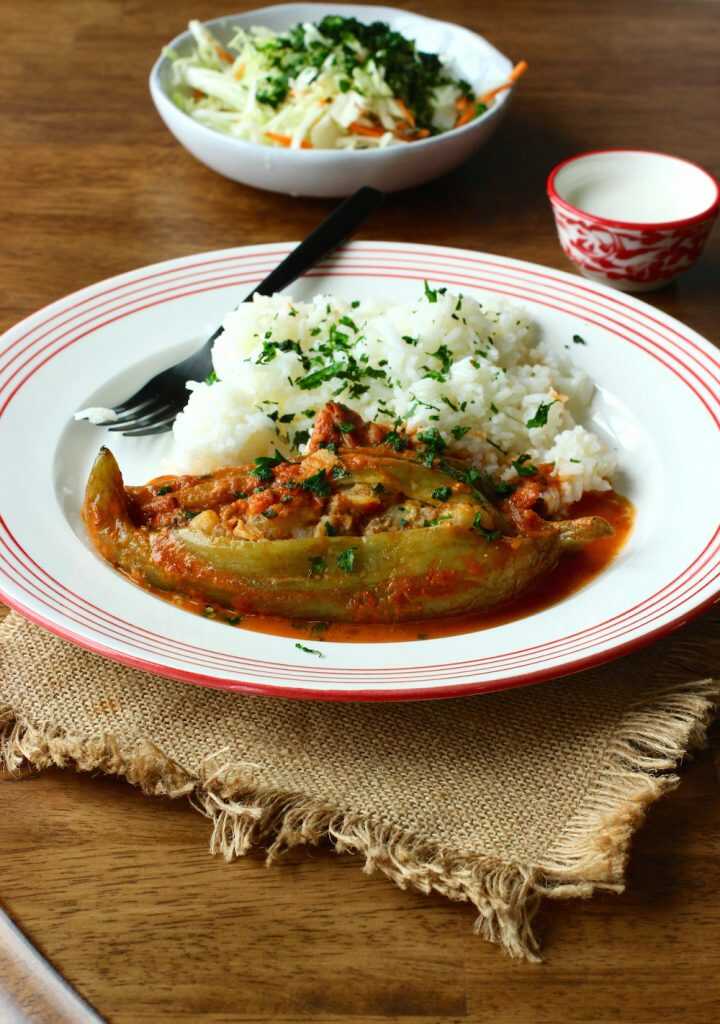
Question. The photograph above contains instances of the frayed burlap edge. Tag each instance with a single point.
(591, 853)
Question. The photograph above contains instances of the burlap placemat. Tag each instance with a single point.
(499, 800)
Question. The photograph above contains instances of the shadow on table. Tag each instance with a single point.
(503, 183)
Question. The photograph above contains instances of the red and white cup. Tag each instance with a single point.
(631, 218)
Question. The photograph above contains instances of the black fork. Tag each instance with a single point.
(152, 409)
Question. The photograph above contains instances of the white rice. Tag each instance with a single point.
(475, 372)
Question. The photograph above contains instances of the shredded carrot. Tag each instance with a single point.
(516, 72)
(465, 109)
(224, 55)
(239, 71)
(407, 112)
(364, 129)
(407, 134)
(286, 140)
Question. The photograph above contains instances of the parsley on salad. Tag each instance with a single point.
(339, 83)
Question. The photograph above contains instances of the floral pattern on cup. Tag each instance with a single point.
(640, 256)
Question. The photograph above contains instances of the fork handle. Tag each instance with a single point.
(341, 223)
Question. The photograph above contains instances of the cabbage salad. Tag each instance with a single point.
(338, 84)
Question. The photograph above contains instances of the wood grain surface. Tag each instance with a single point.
(118, 890)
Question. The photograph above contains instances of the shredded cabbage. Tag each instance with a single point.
(340, 84)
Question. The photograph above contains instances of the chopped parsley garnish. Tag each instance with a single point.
(489, 535)
(410, 341)
(459, 432)
(318, 565)
(396, 441)
(355, 303)
(579, 340)
(345, 427)
(274, 90)
(418, 402)
(346, 559)
(212, 378)
(271, 349)
(270, 513)
(523, 467)
(575, 460)
(442, 493)
(317, 377)
(163, 490)
(265, 464)
(501, 487)
(347, 322)
(436, 521)
(317, 484)
(541, 415)
(431, 294)
(411, 74)
(434, 446)
(445, 356)
(330, 530)
(339, 472)
(375, 372)
(446, 360)
(301, 437)
(337, 339)
(480, 481)
(234, 620)
(309, 650)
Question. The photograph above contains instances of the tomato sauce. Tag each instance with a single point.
(574, 571)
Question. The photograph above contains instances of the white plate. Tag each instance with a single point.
(658, 402)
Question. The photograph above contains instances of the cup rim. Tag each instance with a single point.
(557, 199)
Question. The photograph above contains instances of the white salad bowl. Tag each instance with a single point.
(331, 172)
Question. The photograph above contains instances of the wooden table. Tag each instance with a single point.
(117, 889)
